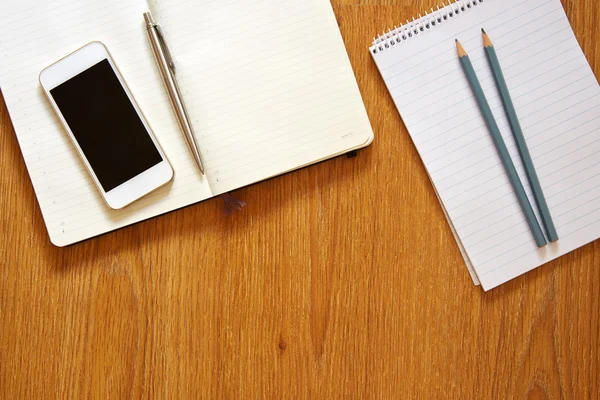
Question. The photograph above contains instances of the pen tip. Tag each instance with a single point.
(148, 19)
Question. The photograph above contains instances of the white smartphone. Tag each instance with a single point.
(106, 125)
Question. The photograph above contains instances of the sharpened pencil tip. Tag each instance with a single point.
(455, 40)
(487, 42)
(461, 51)
(482, 30)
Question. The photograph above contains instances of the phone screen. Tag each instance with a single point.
(106, 125)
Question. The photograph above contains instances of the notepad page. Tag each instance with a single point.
(557, 98)
(34, 34)
(268, 85)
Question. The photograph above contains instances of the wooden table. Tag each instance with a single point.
(339, 280)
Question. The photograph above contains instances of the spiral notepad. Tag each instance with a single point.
(557, 98)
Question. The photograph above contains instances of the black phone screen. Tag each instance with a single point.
(106, 125)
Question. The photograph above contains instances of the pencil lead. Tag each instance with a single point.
(483, 31)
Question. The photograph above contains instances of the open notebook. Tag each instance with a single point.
(557, 98)
(268, 86)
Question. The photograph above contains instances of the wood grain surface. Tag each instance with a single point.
(341, 280)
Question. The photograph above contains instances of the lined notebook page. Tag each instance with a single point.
(557, 98)
(34, 35)
(268, 85)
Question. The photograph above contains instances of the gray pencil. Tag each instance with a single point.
(515, 126)
(490, 121)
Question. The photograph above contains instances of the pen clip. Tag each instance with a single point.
(163, 44)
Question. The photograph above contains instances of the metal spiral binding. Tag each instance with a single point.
(424, 23)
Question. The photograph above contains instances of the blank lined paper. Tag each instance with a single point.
(557, 98)
(268, 85)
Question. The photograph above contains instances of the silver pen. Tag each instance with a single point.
(167, 70)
